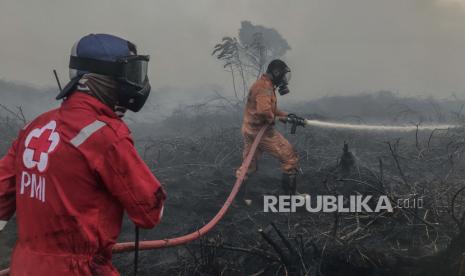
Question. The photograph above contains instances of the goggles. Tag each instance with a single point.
(287, 76)
(131, 69)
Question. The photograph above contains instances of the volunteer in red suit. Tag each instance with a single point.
(73, 171)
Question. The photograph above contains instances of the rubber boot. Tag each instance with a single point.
(289, 183)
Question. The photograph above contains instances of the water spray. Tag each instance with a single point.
(296, 121)
(368, 127)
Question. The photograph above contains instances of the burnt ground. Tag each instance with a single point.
(197, 167)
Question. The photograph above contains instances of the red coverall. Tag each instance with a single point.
(69, 176)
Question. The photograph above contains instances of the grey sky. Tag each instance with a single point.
(415, 47)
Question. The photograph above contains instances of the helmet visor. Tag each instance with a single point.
(135, 69)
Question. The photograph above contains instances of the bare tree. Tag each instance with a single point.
(246, 57)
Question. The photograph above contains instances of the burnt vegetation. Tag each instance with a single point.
(196, 159)
(423, 166)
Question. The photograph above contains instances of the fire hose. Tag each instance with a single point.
(147, 245)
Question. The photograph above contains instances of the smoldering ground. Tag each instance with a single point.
(195, 149)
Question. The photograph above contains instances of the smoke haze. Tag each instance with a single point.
(414, 47)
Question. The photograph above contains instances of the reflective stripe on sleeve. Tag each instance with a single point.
(3, 224)
(86, 132)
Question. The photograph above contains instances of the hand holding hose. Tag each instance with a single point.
(294, 120)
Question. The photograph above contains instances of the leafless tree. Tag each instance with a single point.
(245, 57)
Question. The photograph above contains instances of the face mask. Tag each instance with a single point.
(287, 76)
(134, 97)
(283, 89)
(282, 84)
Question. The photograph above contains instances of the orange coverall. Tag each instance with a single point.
(261, 109)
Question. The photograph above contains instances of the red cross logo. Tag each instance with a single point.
(39, 144)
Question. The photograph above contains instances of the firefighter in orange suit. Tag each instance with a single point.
(261, 110)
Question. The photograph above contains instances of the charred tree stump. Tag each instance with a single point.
(347, 160)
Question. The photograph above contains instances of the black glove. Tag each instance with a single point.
(295, 121)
